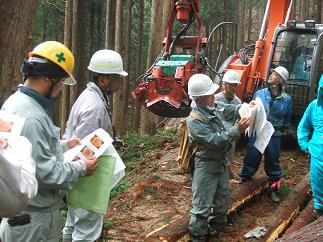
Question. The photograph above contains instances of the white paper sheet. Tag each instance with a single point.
(95, 144)
(259, 126)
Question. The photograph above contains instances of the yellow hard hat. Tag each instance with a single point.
(59, 54)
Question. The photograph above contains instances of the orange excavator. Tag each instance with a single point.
(282, 42)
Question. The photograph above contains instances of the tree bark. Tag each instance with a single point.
(65, 98)
(147, 118)
(318, 13)
(242, 23)
(304, 10)
(305, 217)
(78, 49)
(110, 24)
(249, 21)
(136, 106)
(239, 197)
(117, 96)
(287, 210)
(17, 22)
(311, 232)
(126, 83)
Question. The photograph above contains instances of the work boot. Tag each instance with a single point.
(274, 196)
(274, 191)
(318, 212)
(197, 238)
(213, 235)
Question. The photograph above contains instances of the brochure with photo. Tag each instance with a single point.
(10, 124)
(108, 173)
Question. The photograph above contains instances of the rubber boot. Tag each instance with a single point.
(274, 191)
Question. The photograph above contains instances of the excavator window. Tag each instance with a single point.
(294, 50)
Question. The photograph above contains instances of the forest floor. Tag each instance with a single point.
(160, 195)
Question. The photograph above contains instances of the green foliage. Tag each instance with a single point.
(150, 190)
(286, 173)
(238, 222)
(120, 187)
(284, 189)
(138, 145)
(109, 224)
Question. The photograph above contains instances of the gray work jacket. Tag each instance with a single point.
(52, 173)
(212, 137)
(90, 112)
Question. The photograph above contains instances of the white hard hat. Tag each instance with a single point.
(107, 62)
(282, 71)
(201, 85)
(231, 76)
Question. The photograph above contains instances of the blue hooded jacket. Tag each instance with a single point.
(310, 128)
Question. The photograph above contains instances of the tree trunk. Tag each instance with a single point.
(65, 99)
(239, 197)
(311, 232)
(304, 218)
(78, 48)
(126, 84)
(136, 106)
(287, 210)
(110, 24)
(17, 22)
(318, 13)
(147, 118)
(304, 10)
(117, 96)
(242, 23)
(249, 21)
(166, 13)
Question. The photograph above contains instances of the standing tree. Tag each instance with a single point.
(155, 40)
(65, 99)
(117, 96)
(136, 106)
(17, 21)
(126, 84)
(78, 48)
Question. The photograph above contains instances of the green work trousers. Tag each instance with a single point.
(210, 202)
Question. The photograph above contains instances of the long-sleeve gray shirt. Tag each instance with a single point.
(52, 172)
(89, 112)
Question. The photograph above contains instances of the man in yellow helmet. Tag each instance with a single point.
(49, 65)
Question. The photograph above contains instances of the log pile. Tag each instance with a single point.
(311, 232)
(239, 197)
(278, 222)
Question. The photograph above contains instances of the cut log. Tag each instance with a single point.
(239, 197)
(311, 232)
(304, 218)
(277, 223)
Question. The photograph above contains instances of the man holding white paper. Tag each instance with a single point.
(278, 107)
(90, 112)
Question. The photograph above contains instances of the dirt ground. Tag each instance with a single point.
(161, 195)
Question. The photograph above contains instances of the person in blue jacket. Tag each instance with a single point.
(278, 107)
(310, 139)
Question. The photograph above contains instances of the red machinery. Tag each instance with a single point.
(163, 88)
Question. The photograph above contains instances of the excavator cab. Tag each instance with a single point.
(298, 47)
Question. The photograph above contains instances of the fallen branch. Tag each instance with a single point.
(239, 197)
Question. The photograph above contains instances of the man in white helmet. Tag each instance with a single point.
(231, 80)
(210, 184)
(90, 112)
(278, 107)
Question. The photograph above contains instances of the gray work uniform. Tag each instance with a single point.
(90, 112)
(210, 184)
(52, 173)
(227, 124)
